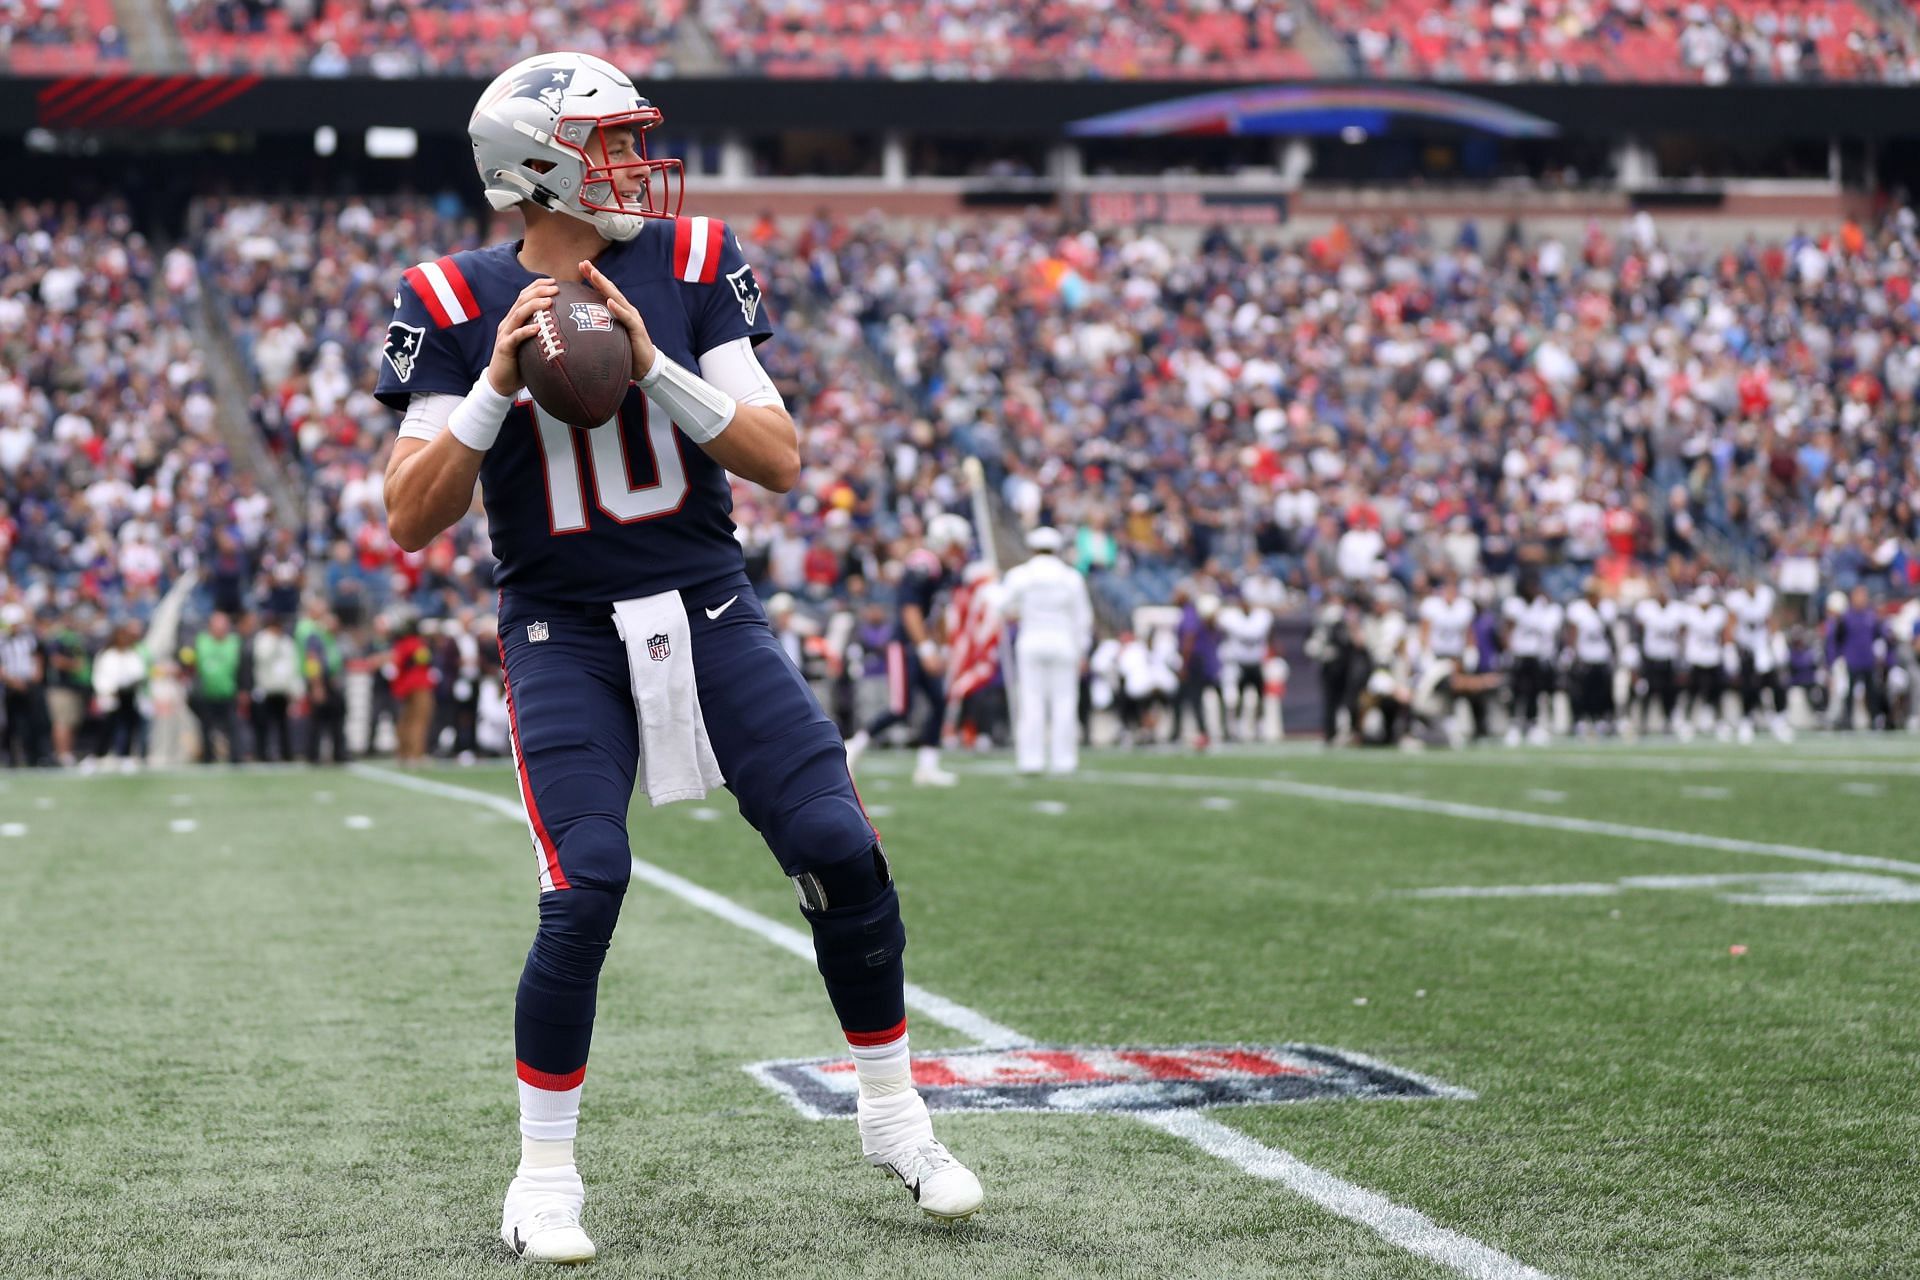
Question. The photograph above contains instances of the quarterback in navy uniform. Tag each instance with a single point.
(633, 646)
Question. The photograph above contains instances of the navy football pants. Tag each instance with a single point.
(577, 743)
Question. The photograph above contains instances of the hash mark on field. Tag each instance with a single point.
(879, 811)
(359, 821)
(181, 826)
(1052, 808)
(1863, 788)
(43, 802)
(323, 797)
(1544, 796)
(703, 815)
(1705, 793)
(182, 801)
(1219, 804)
(1406, 1228)
(13, 829)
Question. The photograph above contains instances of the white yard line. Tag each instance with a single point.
(1658, 763)
(1405, 1228)
(1484, 813)
(1396, 1224)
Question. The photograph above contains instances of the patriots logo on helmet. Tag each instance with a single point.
(747, 290)
(658, 647)
(591, 317)
(403, 348)
(546, 84)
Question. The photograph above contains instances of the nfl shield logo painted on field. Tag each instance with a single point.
(1109, 1079)
(536, 632)
(657, 647)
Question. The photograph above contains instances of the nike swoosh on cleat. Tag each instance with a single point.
(714, 613)
(519, 1245)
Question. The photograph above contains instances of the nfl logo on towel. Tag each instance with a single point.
(657, 647)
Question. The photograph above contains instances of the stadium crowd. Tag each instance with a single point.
(1639, 40)
(1647, 40)
(1296, 421)
(406, 38)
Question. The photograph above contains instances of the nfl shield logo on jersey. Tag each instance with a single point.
(536, 632)
(657, 647)
(591, 317)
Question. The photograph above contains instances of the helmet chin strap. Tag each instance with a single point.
(509, 189)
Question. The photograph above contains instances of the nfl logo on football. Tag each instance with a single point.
(591, 317)
(657, 648)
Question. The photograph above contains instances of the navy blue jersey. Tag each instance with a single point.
(921, 582)
(631, 507)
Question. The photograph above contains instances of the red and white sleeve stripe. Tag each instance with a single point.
(448, 298)
(696, 249)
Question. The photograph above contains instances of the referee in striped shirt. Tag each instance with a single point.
(22, 672)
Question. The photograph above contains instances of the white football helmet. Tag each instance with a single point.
(531, 130)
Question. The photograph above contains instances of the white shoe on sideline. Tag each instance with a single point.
(934, 776)
(540, 1221)
(1782, 730)
(1746, 732)
(896, 1134)
(856, 747)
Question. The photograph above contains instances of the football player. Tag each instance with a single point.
(1705, 629)
(1750, 604)
(1534, 621)
(915, 660)
(1662, 621)
(622, 586)
(1446, 630)
(1590, 619)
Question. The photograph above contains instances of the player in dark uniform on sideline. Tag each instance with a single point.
(915, 659)
(633, 645)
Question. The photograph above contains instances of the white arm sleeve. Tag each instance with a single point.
(734, 369)
(427, 415)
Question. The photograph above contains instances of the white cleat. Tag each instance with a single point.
(897, 1135)
(1513, 736)
(1746, 733)
(856, 747)
(541, 1219)
(1538, 736)
(931, 776)
(1782, 730)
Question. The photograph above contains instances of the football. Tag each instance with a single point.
(578, 366)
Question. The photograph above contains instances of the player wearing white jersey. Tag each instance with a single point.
(1661, 621)
(1534, 622)
(1446, 632)
(1750, 604)
(1590, 622)
(1705, 631)
(1245, 630)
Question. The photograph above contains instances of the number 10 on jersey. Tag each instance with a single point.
(613, 488)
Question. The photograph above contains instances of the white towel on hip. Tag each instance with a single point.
(676, 759)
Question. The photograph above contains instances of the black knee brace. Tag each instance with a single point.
(854, 909)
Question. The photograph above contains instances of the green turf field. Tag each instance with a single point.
(258, 1025)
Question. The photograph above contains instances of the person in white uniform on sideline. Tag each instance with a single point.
(1049, 600)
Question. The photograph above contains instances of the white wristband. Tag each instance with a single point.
(476, 420)
(697, 407)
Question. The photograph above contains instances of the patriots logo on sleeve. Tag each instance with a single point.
(747, 290)
(403, 348)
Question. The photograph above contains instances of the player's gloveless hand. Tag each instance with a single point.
(503, 371)
(626, 314)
